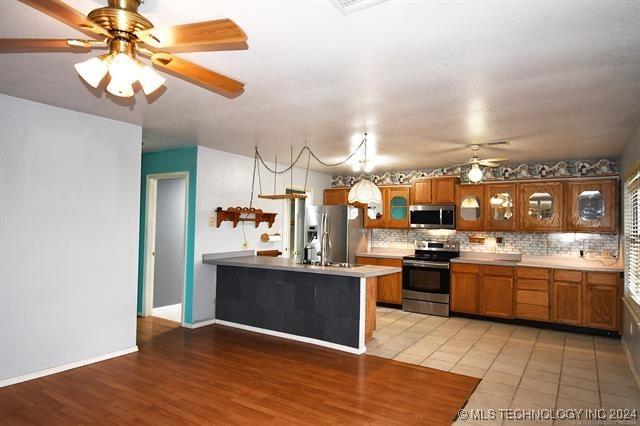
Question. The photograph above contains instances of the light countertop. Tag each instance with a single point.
(387, 253)
(512, 259)
(285, 264)
(555, 262)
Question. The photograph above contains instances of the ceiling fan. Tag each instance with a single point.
(475, 173)
(120, 28)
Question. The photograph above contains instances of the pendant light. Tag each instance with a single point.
(364, 191)
(475, 174)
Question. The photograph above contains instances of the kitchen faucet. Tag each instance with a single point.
(325, 240)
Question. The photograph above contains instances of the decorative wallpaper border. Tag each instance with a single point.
(542, 170)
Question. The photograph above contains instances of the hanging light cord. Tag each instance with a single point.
(275, 171)
(312, 154)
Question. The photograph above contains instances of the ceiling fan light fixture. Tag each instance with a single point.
(475, 173)
(150, 80)
(365, 192)
(94, 70)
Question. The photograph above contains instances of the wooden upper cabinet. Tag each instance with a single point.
(397, 207)
(381, 217)
(592, 205)
(335, 196)
(500, 207)
(439, 190)
(541, 206)
(443, 190)
(421, 191)
(470, 211)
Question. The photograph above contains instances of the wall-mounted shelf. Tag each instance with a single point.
(244, 214)
(282, 196)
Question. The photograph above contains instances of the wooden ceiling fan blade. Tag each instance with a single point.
(16, 45)
(459, 165)
(221, 31)
(496, 143)
(493, 160)
(66, 14)
(199, 75)
(489, 164)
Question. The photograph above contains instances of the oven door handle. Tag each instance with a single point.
(437, 265)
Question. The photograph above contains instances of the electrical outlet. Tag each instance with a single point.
(212, 220)
(245, 245)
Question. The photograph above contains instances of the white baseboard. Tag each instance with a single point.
(357, 351)
(198, 324)
(166, 308)
(65, 367)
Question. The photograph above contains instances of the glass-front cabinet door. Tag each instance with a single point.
(592, 205)
(542, 207)
(397, 207)
(500, 207)
(470, 205)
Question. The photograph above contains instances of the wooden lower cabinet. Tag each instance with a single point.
(602, 300)
(562, 296)
(388, 287)
(566, 303)
(465, 288)
(496, 292)
(532, 293)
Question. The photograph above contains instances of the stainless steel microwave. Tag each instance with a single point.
(433, 216)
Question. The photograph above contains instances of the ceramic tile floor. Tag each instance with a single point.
(520, 367)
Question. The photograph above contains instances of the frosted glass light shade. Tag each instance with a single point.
(365, 192)
(123, 69)
(475, 174)
(150, 80)
(93, 70)
(120, 88)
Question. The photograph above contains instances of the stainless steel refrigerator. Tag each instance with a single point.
(345, 228)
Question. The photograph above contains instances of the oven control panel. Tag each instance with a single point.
(437, 245)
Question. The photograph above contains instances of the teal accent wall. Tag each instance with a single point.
(171, 161)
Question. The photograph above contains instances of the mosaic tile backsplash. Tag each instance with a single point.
(526, 243)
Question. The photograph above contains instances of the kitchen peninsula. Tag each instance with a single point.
(324, 305)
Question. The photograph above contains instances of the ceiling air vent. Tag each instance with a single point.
(350, 6)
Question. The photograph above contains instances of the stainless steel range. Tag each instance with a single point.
(426, 278)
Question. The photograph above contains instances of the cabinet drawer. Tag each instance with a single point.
(567, 275)
(470, 268)
(390, 262)
(367, 260)
(534, 312)
(533, 297)
(534, 273)
(537, 285)
(505, 271)
(602, 278)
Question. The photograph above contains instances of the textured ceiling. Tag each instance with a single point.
(560, 79)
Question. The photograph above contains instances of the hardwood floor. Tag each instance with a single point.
(221, 375)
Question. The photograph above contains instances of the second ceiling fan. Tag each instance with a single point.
(126, 33)
(475, 173)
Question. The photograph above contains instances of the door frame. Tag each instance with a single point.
(150, 239)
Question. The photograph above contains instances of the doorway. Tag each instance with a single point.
(165, 246)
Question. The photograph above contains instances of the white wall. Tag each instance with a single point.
(224, 180)
(69, 211)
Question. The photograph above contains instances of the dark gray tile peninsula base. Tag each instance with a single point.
(317, 306)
